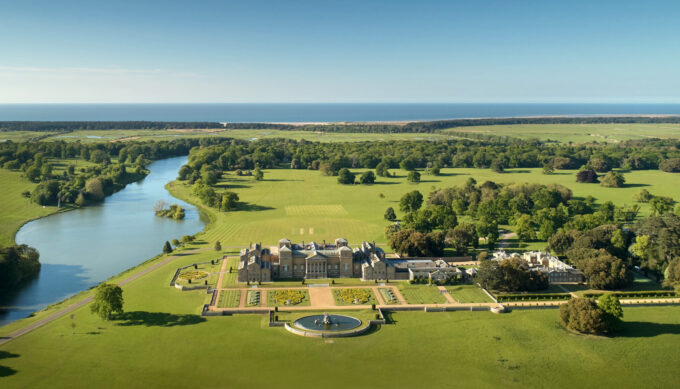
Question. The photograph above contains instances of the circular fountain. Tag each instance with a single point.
(326, 322)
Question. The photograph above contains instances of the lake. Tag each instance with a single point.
(81, 248)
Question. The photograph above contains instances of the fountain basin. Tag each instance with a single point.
(338, 323)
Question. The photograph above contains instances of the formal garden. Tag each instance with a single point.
(356, 296)
(199, 274)
(287, 297)
(229, 298)
(389, 296)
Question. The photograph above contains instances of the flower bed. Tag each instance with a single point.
(288, 296)
(353, 296)
(193, 275)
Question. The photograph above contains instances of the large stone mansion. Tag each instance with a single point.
(313, 261)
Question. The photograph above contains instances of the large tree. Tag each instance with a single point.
(108, 299)
(510, 275)
(345, 176)
(416, 244)
(604, 271)
(583, 315)
(411, 201)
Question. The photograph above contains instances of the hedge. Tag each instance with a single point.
(533, 297)
(633, 295)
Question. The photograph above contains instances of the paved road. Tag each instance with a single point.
(87, 300)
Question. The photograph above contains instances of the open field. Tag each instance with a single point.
(291, 203)
(577, 133)
(468, 294)
(248, 134)
(24, 136)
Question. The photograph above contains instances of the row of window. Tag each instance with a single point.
(302, 267)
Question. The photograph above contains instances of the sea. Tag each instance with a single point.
(315, 112)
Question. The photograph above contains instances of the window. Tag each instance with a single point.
(302, 267)
(285, 267)
(346, 267)
(336, 266)
(294, 267)
(329, 266)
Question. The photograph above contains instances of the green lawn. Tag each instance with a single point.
(577, 133)
(16, 209)
(640, 283)
(421, 294)
(468, 294)
(229, 299)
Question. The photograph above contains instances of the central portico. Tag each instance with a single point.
(313, 261)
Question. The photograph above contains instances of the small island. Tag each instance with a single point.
(174, 211)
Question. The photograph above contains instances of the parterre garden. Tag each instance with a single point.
(348, 296)
(287, 297)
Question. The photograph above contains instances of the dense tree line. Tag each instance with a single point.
(329, 158)
(17, 264)
(67, 126)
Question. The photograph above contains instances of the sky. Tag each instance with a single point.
(339, 51)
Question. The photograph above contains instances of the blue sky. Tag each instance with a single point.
(339, 51)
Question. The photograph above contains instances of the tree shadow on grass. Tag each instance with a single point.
(384, 183)
(229, 185)
(643, 329)
(252, 207)
(635, 185)
(4, 370)
(156, 319)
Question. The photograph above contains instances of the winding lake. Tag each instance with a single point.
(80, 248)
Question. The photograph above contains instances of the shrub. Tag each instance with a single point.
(671, 165)
(586, 176)
(583, 315)
(613, 180)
